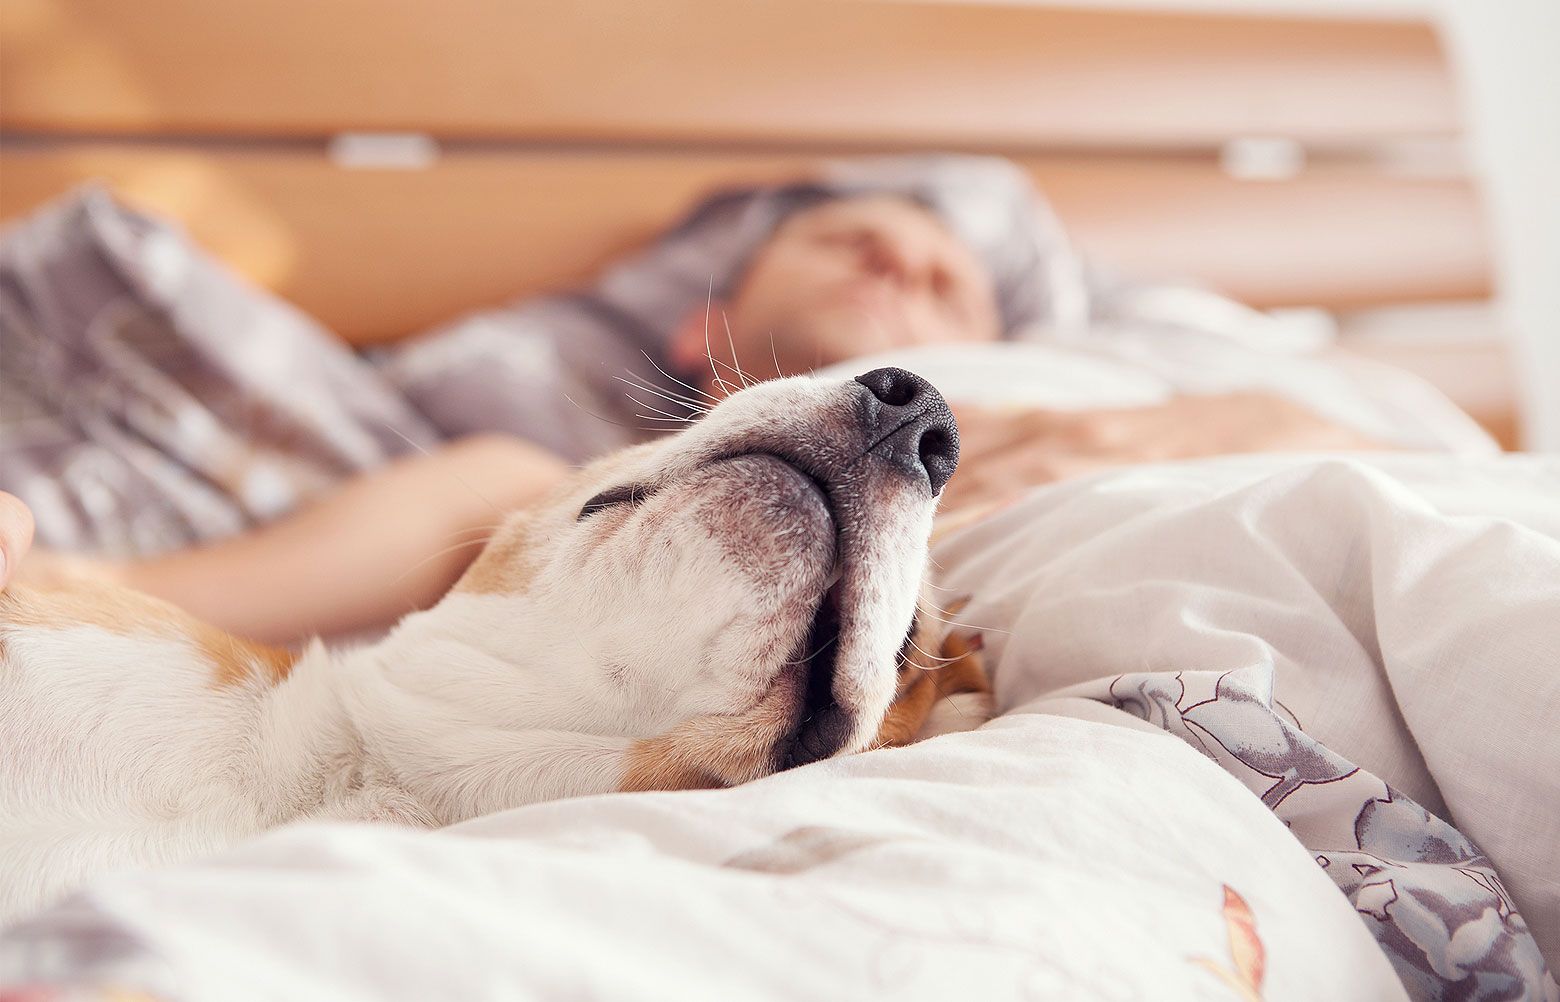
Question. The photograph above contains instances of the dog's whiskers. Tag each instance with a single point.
(946, 698)
(599, 417)
(928, 656)
(709, 305)
(732, 342)
(727, 366)
(678, 399)
(808, 657)
(671, 395)
(928, 603)
(477, 528)
(775, 355)
(481, 541)
(665, 415)
(978, 628)
(668, 425)
(711, 397)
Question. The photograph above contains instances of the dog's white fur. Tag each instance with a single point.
(579, 656)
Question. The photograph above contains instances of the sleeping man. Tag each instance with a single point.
(1365, 641)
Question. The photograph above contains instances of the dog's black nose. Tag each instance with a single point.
(916, 431)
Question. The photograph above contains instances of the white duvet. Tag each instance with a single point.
(1041, 857)
(1404, 609)
(1407, 610)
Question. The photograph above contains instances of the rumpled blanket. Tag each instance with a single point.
(1314, 625)
(149, 399)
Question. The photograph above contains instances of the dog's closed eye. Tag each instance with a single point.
(629, 494)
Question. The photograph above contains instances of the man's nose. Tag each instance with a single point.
(912, 427)
(893, 264)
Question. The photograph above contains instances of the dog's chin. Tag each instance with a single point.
(806, 541)
(779, 526)
(774, 523)
(787, 534)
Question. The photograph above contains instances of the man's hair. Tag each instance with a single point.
(794, 200)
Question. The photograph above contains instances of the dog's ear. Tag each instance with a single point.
(941, 675)
(507, 563)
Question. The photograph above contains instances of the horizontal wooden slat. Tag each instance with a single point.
(824, 71)
(1338, 238)
(379, 254)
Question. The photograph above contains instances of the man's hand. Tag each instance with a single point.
(1002, 452)
(16, 533)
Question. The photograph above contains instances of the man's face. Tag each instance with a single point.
(851, 277)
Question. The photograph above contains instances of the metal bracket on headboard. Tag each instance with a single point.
(383, 150)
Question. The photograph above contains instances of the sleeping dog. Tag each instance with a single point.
(698, 611)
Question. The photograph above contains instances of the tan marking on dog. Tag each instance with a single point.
(505, 566)
(84, 602)
(924, 679)
(238, 660)
(717, 749)
(911, 706)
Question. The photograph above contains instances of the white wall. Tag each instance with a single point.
(1509, 74)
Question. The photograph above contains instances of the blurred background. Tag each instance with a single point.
(1381, 171)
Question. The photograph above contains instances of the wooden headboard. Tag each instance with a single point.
(387, 164)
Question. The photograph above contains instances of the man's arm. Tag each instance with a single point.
(374, 549)
(378, 547)
(16, 532)
(1003, 452)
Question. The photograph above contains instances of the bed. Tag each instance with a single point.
(1204, 669)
